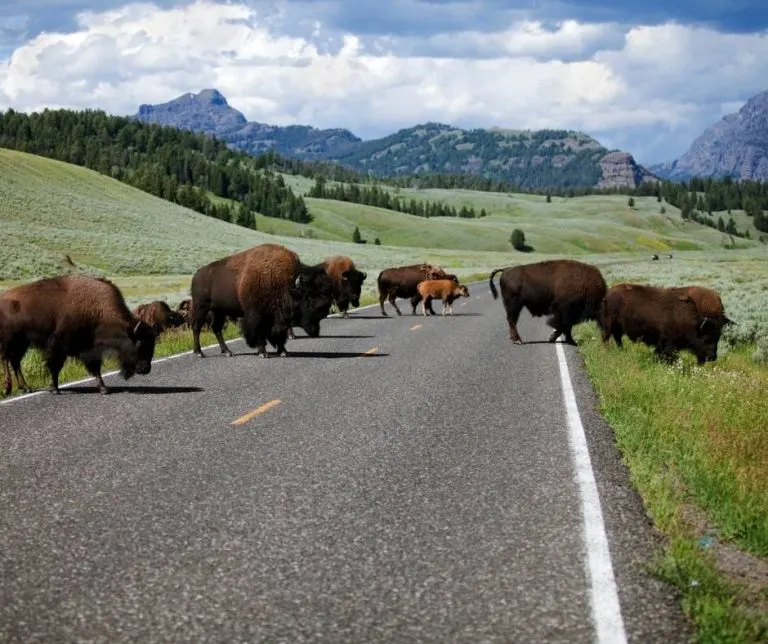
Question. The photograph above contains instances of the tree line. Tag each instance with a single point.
(382, 198)
(176, 165)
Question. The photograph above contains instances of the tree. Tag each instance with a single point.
(357, 237)
(631, 202)
(549, 198)
(377, 242)
(517, 239)
(662, 210)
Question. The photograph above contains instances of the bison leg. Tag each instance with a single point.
(219, 318)
(382, 297)
(198, 322)
(415, 302)
(93, 365)
(277, 340)
(54, 360)
(513, 308)
(392, 297)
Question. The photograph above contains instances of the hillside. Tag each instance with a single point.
(735, 146)
(541, 159)
(50, 210)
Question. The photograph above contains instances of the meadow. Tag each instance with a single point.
(694, 438)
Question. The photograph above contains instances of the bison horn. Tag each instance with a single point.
(137, 327)
(365, 274)
(297, 283)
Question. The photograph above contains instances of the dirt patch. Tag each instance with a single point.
(747, 571)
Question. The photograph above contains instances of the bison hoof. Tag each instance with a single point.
(227, 353)
(103, 391)
(55, 391)
(264, 355)
(517, 341)
(199, 354)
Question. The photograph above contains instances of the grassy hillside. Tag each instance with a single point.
(50, 209)
(572, 226)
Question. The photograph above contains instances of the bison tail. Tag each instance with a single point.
(494, 292)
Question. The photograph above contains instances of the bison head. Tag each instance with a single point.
(351, 286)
(312, 296)
(139, 359)
(463, 291)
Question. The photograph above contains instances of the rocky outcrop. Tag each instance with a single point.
(735, 146)
(619, 169)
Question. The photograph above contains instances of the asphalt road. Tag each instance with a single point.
(397, 480)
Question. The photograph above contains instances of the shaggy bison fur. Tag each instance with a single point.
(73, 316)
(347, 282)
(669, 319)
(567, 291)
(269, 288)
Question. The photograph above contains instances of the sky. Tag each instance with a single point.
(642, 77)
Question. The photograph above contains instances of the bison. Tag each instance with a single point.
(668, 319)
(446, 290)
(347, 282)
(270, 288)
(402, 282)
(568, 291)
(74, 316)
(159, 316)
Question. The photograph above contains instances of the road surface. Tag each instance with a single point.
(397, 480)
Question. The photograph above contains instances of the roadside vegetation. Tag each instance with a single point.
(695, 440)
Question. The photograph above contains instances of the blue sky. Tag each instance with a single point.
(644, 77)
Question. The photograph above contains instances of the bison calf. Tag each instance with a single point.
(445, 290)
(569, 292)
(73, 316)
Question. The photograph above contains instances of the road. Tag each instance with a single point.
(396, 480)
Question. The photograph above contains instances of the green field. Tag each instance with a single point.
(693, 437)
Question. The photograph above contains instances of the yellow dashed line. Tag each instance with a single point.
(371, 352)
(415, 326)
(256, 412)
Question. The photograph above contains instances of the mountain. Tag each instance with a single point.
(532, 159)
(736, 146)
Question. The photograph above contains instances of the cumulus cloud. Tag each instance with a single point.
(648, 89)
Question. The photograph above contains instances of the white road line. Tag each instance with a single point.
(606, 611)
(8, 401)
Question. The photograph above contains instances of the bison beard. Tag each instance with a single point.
(75, 316)
(567, 291)
(269, 288)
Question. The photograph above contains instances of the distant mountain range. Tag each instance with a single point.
(735, 146)
(532, 159)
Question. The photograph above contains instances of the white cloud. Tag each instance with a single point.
(606, 79)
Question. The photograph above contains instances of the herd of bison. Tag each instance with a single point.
(270, 290)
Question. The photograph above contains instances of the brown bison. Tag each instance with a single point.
(267, 286)
(445, 290)
(9, 309)
(417, 298)
(569, 292)
(669, 319)
(402, 282)
(347, 282)
(73, 316)
(159, 316)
